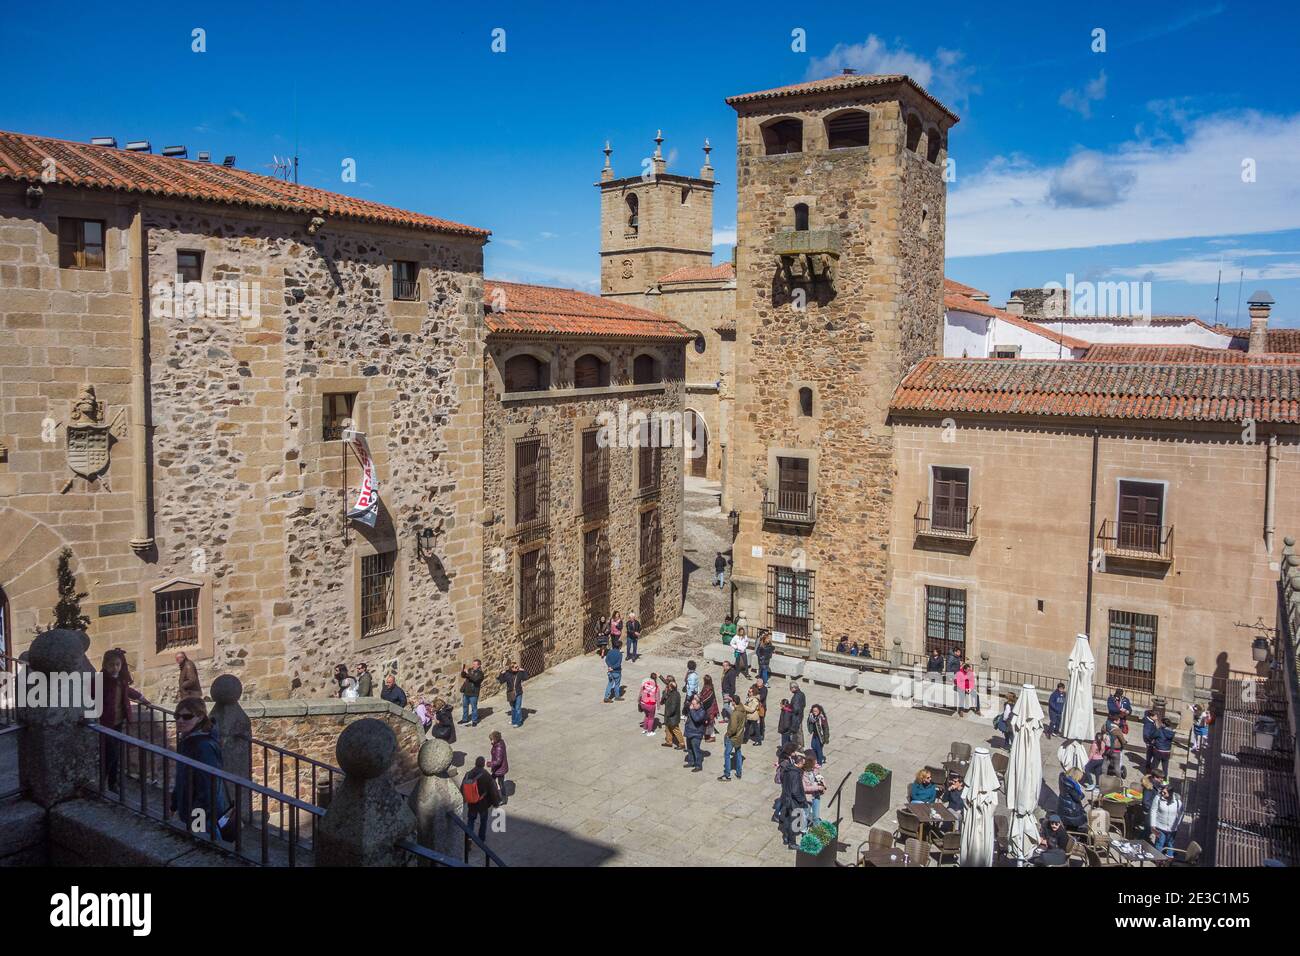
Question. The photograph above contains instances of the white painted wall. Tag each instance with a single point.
(1128, 333)
(964, 334)
(976, 336)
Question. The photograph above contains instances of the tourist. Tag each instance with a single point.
(1118, 709)
(952, 662)
(1071, 799)
(199, 799)
(614, 671)
(734, 739)
(696, 719)
(1152, 784)
(922, 789)
(616, 627)
(935, 664)
(1054, 836)
(740, 646)
(761, 686)
(1163, 745)
(752, 705)
(1115, 750)
(798, 703)
(1166, 811)
(188, 681)
(843, 646)
(340, 675)
(1055, 710)
(964, 680)
(727, 630)
(1003, 721)
(1150, 724)
(348, 689)
(391, 692)
(785, 725)
(764, 654)
(1096, 757)
(814, 786)
(709, 701)
(649, 703)
(1200, 735)
(513, 677)
(499, 763)
(365, 681)
(471, 683)
(854, 650)
(480, 793)
(719, 570)
(444, 726)
(792, 803)
(421, 713)
(692, 686)
(953, 800)
(602, 636)
(729, 676)
(115, 709)
(632, 632)
(819, 733)
(671, 701)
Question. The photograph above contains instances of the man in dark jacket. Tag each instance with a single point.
(513, 677)
(189, 685)
(471, 682)
(614, 671)
(365, 681)
(762, 711)
(1150, 724)
(1118, 709)
(1055, 709)
(719, 570)
(1162, 744)
(479, 782)
(443, 728)
(672, 704)
(729, 674)
(392, 693)
(793, 802)
(632, 634)
(697, 718)
(935, 664)
(798, 704)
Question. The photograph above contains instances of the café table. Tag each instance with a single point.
(889, 856)
(1135, 852)
(939, 817)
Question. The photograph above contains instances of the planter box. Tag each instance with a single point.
(825, 858)
(872, 803)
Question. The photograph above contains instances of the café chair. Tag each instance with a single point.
(879, 839)
(1188, 857)
(909, 825)
(947, 844)
(918, 850)
(957, 750)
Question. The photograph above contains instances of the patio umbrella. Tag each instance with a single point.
(1025, 773)
(1078, 723)
(980, 796)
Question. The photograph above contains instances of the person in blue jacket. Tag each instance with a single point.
(1055, 710)
(922, 790)
(1070, 800)
(1119, 708)
(198, 799)
(1150, 724)
(1162, 745)
(614, 668)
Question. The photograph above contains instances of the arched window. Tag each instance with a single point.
(913, 133)
(783, 136)
(633, 218)
(932, 144)
(700, 344)
(849, 128)
(801, 217)
(645, 370)
(806, 402)
(590, 371)
(525, 373)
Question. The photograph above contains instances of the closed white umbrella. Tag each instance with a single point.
(1025, 773)
(1078, 723)
(980, 796)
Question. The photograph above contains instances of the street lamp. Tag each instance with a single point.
(424, 543)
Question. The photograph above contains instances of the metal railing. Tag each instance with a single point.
(423, 856)
(1129, 539)
(790, 507)
(11, 730)
(141, 777)
(406, 290)
(945, 523)
(471, 839)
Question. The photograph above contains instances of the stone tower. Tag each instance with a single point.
(652, 223)
(839, 278)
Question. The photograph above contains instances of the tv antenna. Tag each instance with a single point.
(281, 167)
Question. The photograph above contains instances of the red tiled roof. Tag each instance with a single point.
(1279, 340)
(1039, 387)
(961, 303)
(1181, 354)
(835, 84)
(700, 273)
(958, 288)
(22, 158)
(1128, 320)
(545, 310)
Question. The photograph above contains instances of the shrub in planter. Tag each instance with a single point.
(871, 795)
(873, 775)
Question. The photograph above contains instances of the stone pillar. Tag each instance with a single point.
(367, 816)
(236, 732)
(896, 654)
(58, 754)
(1189, 680)
(436, 795)
(815, 642)
(741, 622)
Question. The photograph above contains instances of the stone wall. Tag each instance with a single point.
(671, 233)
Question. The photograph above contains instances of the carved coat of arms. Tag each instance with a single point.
(88, 435)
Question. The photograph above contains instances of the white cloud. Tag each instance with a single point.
(1157, 191)
(724, 235)
(1080, 101)
(943, 74)
(1206, 268)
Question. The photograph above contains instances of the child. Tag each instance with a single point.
(1201, 721)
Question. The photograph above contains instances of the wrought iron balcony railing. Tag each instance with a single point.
(790, 507)
(1131, 540)
(945, 522)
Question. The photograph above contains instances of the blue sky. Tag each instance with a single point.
(1122, 164)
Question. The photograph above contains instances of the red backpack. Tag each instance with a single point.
(471, 791)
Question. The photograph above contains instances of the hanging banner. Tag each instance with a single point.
(366, 507)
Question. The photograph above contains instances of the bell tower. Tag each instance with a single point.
(653, 222)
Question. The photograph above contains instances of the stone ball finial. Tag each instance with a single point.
(435, 757)
(58, 651)
(365, 749)
(1289, 542)
(226, 689)
(1189, 661)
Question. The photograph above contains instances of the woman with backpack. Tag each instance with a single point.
(649, 702)
(819, 732)
(480, 793)
(198, 799)
(602, 636)
(1003, 720)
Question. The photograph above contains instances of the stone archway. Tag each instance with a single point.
(29, 553)
(697, 466)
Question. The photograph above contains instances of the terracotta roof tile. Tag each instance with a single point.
(700, 273)
(1279, 340)
(546, 310)
(952, 285)
(1181, 354)
(1073, 389)
(961, 303)
(835, 84)
(22, 158)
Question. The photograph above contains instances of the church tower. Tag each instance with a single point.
(839, 291)
(653, 223)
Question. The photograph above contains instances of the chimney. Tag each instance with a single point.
(660, 164)
(1016, 305)
(1260, 303)
(979, 296)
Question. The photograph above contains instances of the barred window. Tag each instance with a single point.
(649, 461)
(534, 589)
(336, 414)
(406, 281)
(1131, 651)
(790, 605)
(945, 620)
(176, 615)
(651, 542)
(595, 473)
(532, 482)
(595, 564)
(189, 265)
(377, 593)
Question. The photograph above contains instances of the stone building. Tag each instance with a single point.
(582, 506)
(839, 275)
